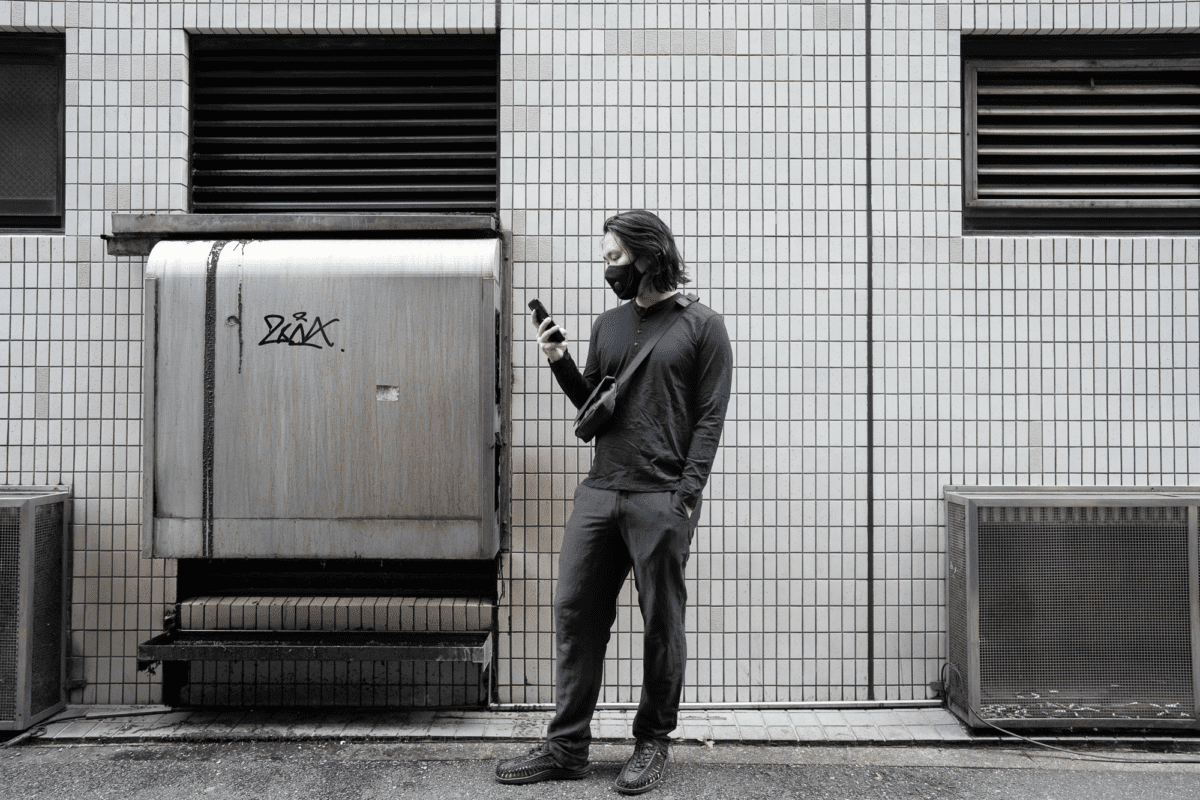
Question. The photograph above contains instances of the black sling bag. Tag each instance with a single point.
(601, 404)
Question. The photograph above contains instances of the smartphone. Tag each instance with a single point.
(540, 313)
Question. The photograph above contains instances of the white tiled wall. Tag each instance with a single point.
(1018, 360)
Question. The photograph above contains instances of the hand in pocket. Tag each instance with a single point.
(679, 506)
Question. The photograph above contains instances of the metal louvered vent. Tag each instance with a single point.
(1081, 607)
(1080, 135)
(344, 124)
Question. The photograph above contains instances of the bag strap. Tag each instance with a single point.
(683, 300)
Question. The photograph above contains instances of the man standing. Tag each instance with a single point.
(640, 503)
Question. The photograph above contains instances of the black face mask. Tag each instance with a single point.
(624, 280)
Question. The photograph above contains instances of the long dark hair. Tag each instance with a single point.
(647, 237)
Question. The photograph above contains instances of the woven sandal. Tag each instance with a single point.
(538, 765)
(644, 770)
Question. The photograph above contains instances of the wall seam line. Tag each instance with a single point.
(870, 388)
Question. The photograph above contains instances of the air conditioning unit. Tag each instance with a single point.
(33, 603)
(1073, 607)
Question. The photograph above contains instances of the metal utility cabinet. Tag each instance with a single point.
(1073, 606)
(322, 399)
(35, 549)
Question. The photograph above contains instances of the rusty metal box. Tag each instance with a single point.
(322, 399)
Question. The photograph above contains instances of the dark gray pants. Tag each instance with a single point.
(608, 533)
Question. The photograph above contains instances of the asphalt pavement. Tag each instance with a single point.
(333, 770)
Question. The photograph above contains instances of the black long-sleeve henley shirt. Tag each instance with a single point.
(668, 421)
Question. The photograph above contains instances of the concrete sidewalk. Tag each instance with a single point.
(878, 726)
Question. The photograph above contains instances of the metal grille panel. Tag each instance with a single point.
(1084, 613)
(956, 599)
(29, 101)
(357, 684)
(329, 123)
(46, 631)
(10, 562)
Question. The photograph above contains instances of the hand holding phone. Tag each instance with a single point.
(540, 314)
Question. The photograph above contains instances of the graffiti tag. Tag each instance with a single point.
(296, 333)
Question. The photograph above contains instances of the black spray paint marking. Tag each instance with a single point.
(293, 334)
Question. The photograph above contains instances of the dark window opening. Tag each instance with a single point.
(1085, 133)
(32, 88)
(326, 124)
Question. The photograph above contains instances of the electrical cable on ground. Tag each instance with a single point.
(40, 730)
(1081, 755)
(1076, 754)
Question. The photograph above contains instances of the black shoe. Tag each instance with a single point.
(644, 770)
(538, 765)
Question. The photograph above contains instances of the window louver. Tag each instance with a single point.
(344, 124)
(1094, 140)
